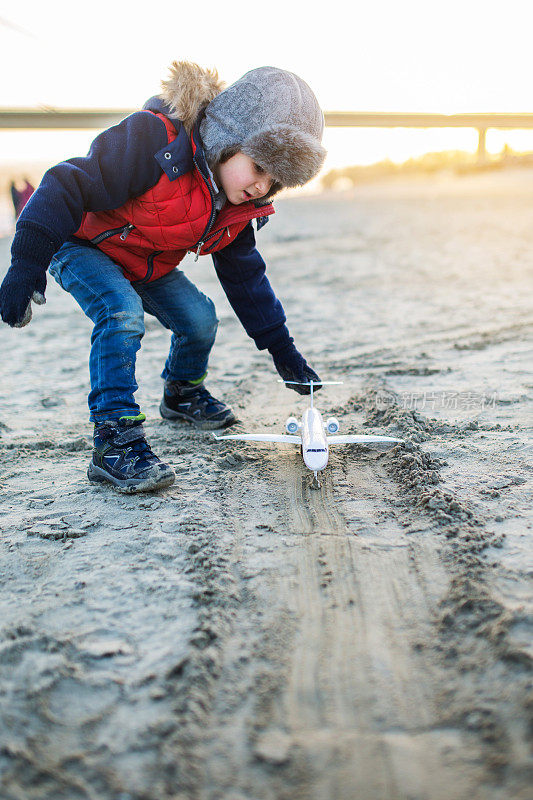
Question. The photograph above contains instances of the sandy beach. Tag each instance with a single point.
(241, 636)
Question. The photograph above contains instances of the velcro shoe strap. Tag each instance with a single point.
(129, 435)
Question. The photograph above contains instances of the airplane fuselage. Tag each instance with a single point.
(315, 449)
(312, 435)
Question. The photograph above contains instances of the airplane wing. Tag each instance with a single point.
(283, 438)
(363, 439)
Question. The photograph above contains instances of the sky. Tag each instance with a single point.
(443, 56)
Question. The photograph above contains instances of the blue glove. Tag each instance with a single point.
(292, 366)
(25, 281)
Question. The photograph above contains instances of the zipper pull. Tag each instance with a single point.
(229, 234)
(124, 234)
(200, 245)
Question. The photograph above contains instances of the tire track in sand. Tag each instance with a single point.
(336, 690)
(363, 695)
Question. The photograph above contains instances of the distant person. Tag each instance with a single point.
(188, 173)
(21, 196)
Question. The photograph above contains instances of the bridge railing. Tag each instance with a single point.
(67, 119)
(397, 119)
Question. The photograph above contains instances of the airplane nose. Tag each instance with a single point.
(315, 458)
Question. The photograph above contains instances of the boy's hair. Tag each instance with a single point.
(226, 154)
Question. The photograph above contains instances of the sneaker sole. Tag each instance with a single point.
(205, 425)
(130, 485)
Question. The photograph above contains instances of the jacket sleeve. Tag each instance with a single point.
(120, 165)
(241, 271)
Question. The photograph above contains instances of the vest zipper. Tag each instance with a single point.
(205, 235)
(201, 243)
(207, 238)
(150, 262)
(210, 250)
(123, 230)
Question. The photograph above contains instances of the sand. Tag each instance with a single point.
(241, 636)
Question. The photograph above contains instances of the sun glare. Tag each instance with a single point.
(385, 58)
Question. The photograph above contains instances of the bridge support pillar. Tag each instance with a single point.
(481, 145)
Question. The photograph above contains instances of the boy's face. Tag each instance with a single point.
(242, 179)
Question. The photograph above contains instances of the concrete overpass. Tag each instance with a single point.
(68, 119)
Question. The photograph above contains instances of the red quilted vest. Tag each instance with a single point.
(149, 235)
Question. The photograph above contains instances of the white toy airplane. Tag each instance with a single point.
(313, 437)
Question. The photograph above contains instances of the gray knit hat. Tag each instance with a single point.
(272, 116)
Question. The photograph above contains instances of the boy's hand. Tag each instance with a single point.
(292, 366)
(23, 283)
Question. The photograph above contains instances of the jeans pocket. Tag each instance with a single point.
(55, 269)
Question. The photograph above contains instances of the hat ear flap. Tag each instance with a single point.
(291, 156)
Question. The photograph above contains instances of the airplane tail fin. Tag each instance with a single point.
(318, 383)
(311, 383)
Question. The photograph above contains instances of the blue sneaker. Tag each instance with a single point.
(193, 403)
(123, 457)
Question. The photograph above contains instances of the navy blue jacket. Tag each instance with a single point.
(123, 162)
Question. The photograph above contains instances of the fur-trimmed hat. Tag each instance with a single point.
(269, 114)
(272, 116)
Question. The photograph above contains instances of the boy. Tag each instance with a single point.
(187, 173)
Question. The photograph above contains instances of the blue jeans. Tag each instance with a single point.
(117, 306)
